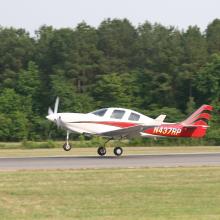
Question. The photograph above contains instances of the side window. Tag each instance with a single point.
(117, 114)
(134, 117)
(100, 112)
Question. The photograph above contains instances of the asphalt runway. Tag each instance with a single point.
(134, 161)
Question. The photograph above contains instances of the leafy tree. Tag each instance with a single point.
(4, 128)
(207, 81)
(153, 86)
(190, 105)
(71, 101)
(143, 47)
(84, 62)
(151, 68)
(19, 127)
(15, 109)
(110, 91)
(195, 47)
(116, 40)
(10, 101)
(213, 36)
(157, 47)
(39, 128)
(43, 56)
(29, 85)
(159, 53)
(29, 81)
(16, 49)
(173, 114)
(195, 55)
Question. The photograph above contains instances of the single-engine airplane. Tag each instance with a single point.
(118, 123)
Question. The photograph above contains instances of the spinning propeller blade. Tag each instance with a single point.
(56, 105)
(54, 115)
(50, 111)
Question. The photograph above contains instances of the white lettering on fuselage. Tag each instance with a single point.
(167, 131)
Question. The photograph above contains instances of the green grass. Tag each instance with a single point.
(56, 144)
(93, 151)
(127, 194)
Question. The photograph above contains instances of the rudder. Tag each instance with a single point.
(200, 117)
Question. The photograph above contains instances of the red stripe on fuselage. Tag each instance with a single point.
(166, 130)
(116, 123)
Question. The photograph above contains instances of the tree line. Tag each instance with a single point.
(150, 68)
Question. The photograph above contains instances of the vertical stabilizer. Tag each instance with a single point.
(200, 117)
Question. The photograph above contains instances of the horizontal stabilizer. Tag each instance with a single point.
(195, 126)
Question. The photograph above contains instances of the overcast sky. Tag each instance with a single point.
(31, 14)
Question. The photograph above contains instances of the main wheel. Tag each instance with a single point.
(118, 151)
(67, 146)
(101, 151)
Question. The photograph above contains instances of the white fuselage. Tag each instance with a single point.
(92, 123)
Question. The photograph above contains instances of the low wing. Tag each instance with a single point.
(125, 132)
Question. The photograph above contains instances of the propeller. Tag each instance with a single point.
(50, 111)
(56, 105)
(52, 114)
(55, 111)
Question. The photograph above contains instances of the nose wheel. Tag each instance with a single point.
(67, 146)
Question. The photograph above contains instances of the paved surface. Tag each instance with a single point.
(168, 160)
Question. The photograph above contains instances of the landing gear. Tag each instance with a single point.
(118, 151)
(67, 146)
(101, 151)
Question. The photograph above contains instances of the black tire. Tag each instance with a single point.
(101, 151)
(67, 146)
(118, 151)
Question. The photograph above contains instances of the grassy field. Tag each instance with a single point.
(93, 151)
(127, 194)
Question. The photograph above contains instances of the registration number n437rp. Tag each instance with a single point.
(167, 130)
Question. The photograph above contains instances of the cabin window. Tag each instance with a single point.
(100, 112)
(117, 114)
(134, 117)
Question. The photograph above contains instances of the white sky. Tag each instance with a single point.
(31, 14)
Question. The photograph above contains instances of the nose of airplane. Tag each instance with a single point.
(50, 117)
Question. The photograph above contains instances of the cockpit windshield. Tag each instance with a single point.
(100, 112)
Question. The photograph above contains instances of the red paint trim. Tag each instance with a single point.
(117, 123)
(197, 114)
(177, 130)
(196, 132)
(200, 122)
(205, 115)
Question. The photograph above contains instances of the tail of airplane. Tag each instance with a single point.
(197, 122)
(200, 117)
